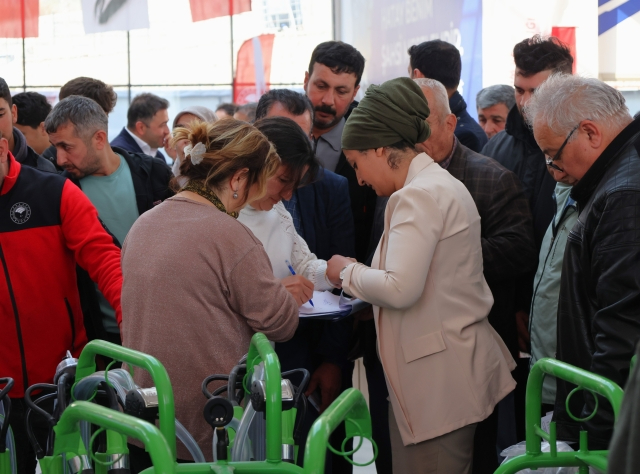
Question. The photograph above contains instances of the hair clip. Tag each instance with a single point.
(196, 152)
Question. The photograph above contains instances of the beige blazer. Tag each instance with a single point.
(444, 364)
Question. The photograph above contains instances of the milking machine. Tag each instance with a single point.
(253, 416)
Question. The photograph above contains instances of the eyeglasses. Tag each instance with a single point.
(550, 160)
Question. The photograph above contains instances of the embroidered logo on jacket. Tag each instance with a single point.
(20, 212)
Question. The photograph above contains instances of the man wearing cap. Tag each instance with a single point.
(445, 366)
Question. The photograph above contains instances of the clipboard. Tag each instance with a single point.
(331, 307)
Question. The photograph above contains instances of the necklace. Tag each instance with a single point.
(200, 189)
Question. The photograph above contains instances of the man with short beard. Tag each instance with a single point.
(331, 84)
(121, 185)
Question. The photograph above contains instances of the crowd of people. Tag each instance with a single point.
(482, 246)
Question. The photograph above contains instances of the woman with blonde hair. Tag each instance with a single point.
(198, 283)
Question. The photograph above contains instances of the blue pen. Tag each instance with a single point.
(293, 272)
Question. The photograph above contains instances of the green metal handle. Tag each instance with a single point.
(350, 405)
(595, 383)
(166, 408)
(260, 350)
(67, 432)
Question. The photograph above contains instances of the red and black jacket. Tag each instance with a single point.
(47, 225)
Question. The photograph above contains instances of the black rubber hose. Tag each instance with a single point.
(212, 378)
(233, 376)
(298, 433)
(62, 396)
(306, 376)
(6, 401)
(32, 438)
(27, 399)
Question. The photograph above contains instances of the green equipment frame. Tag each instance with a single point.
(68, 440)
(583, 458)
(349, 407)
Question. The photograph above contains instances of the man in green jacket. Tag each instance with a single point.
(546, 285)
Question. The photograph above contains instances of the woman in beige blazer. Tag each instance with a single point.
(445, 366)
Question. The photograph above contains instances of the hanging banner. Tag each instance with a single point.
(206, 9)
(567, 34)
(253, 70)
(618, 30)
(19, 18)
(383, 31)
(114, 15)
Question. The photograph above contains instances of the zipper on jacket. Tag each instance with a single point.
(73, 325)
(25, 377)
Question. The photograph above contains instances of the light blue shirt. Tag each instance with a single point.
(115, 199)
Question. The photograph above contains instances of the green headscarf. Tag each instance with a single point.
(388, 113)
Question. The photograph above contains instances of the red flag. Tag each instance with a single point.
(567, 34)
(205, 9)
(19, 18)
(253, 70)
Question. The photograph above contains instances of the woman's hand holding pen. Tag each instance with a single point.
(299, 287)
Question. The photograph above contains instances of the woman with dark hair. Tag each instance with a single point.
(272, 224)
(445, 366)
(197, 283)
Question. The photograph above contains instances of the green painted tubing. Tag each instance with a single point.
(67, 430)
(159, 375)
(570, 459)
(350, 405)
(261, 350)
(5, 462)
(243, 467)
(596, 383)
(52, 465)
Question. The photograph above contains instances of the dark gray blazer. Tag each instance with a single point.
(508, 247)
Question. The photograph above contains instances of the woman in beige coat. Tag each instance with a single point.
(445, 366)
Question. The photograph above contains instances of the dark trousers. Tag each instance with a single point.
(520, 374)
(379, 409)
(485, 454)
(25, 454)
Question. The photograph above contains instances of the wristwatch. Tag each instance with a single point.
(342, 273)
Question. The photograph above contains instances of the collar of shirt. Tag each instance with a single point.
(146, 149)
(334, 136)
(445, 163)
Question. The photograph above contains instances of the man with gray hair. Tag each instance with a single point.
(121, 185)
(508, 247)
(585, 130)
(493, 104)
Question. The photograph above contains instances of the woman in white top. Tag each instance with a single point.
(272, 224)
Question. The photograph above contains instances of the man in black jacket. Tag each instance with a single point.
(18, 147)
(121, 185)
(508, 249)
(439, 60)
(584, 128)
(516, 149)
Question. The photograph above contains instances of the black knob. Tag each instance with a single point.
(218, 412)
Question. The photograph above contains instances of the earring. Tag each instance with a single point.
(235, 195)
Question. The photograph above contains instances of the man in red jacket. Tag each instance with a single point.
(47, 225)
